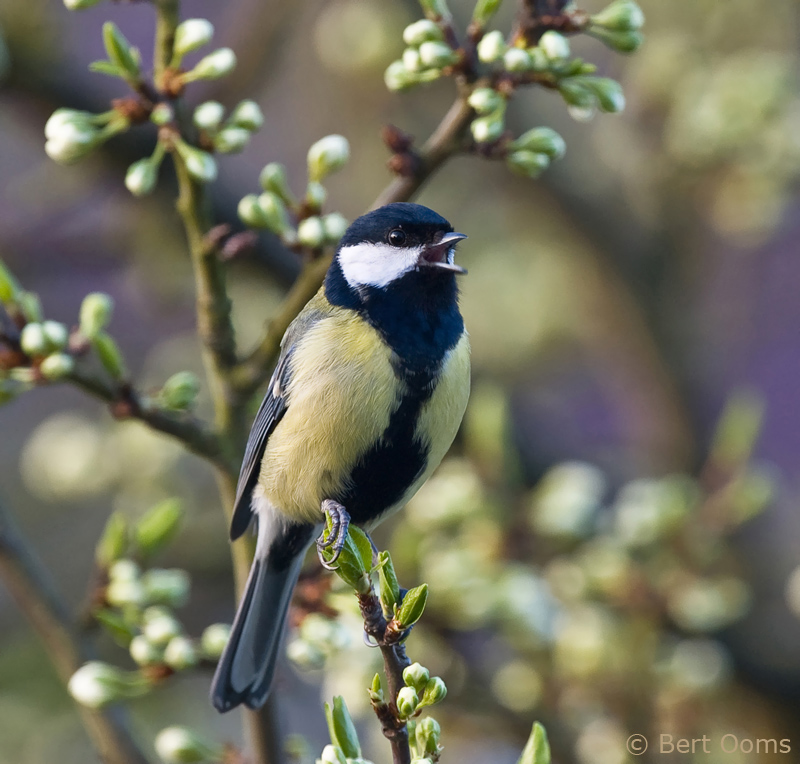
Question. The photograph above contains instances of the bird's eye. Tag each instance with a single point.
(397, 237)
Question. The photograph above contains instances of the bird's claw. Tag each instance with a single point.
(335, 538)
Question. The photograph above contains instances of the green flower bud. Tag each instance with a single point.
(166, 587)
(517, 60)
(9, 287)
(273, 178)
(209, 115)
(620, 16)
(610, 96)
(397, 77)
(248, 115)
(484, 10)
(124, 592)
(435, 692)
(120, 52)
(335, 225)
(407, 702)
(485, 100)
(79, 5)
(142, 177)
(489, 128)
(274, 212)
(316, 195)
(162, 114)
(110, 355)
(33, 340)
(114, 541)
(311, 232)
(528, 163)
(389, 588)
(56, 334)
(539, 60)
(180, 653)
(191, 35)
(428, 734)
(622, 42)
(144, 653)
(436, 55)
(327, 155)
(422, 31)
(492, 47)
(554, 45)
(416, 676)
(541, 140)
(96, 311)
(214, 66)
(199, 164)
(71, 142)
(61, 117)
(250, 212)
(231, 140)
(410, 611)
(576, 92)
(160, 626)
(376, 695)
(180, 391)
(341, 728)
(332, 755)
(179, 745)
(537, 749)
(57, 366)
(96, 684)
(124, 570)
(411, 60)
(214, 639)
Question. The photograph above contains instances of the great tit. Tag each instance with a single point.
(368, 393)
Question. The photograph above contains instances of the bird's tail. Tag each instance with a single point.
(245, 670)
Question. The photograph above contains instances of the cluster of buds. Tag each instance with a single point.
(180, 745)
(424, 736)
(233, 134)
(298, 221)
(420, 691)
(191, 35)
(425, 58)
(618, 26)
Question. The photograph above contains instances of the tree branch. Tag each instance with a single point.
(32, 590)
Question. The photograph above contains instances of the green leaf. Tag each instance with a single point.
(537, 749)
(114, 541)
(121, 631)
(363, 546)
(106, 67)
(110, 355)
(158, 526)
(410, 611)
(120, 51)
(341, 728)
(389, 588)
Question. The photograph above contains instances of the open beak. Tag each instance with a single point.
(440, 255)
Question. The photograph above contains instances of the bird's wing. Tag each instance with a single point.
(269, 414)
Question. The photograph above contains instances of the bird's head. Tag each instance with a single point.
(398, 242)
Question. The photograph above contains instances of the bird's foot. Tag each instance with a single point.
(335, 537)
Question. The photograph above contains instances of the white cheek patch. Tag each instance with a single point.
(376, 265)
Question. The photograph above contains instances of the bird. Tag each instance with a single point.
(367, 396)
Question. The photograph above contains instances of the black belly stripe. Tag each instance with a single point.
(384, 473)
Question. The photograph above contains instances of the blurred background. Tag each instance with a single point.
(611, 545)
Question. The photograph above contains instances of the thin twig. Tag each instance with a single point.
(33, 591)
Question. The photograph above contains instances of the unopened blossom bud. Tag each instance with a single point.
(166, 586)
(214, 639)
(311, 232)
(33, 340)
(407, 701)
(124, 570)
(199, 164)
(160, 626)
(620, 16)
(144, 652)
(487, 129)
(273, 178)
(231, 140)
(610, 96)
(335, 225)
(411, 60)
(622, 42)
(250, 212)
(416, 676)
(162, 114)
(397, 77)
(492, 47)
(214, 66)
(57, 366)
(179, 745)
(61, 117)
(209, 115)
(576, 93)
(528, 163)
(485, 100)
(96, 311)
(422, 31)
(327, 155)
(142, 177)
(71, 142)
(180, 653)
(123, 592)
(436, 55)
(316, 195)
(180, 391)
(191, 35)
(554, 45)
(274, 211)
(56, 334)
(428, 733)
(517, 60)
(541, 140)
(96, 684)
(435, 691)
(248, 115)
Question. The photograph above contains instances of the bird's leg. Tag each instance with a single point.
(340, 522)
